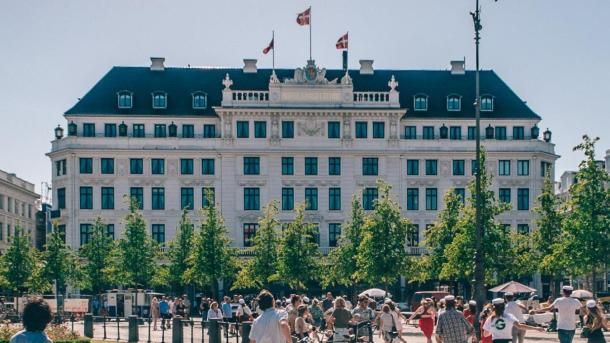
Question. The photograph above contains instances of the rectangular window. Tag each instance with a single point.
(410, 132)
(136, 166)
(187, 198)
(251, 199)
(85, 165)
(209, 131)
(157, 166)
(334, 166)
(501, 132)
(160, 131)
(249, 233)
(85, 233)
(107, 165)
(61, 198)
(523, 229)
(369, 196)
(315, 234)
(158, 233)
(455, 132)
(370, 166)
(431, 199)
(138, 130)
(61, 167)
(473, 166)
(109, 130)
(378, 129)
(158, 198)
(413, 236)
(107, 198)
(458, 167)
(545, 168)
(428, 132)
(311, 166)
(461, 192)
(186, 166)
(287, 199)
(88, 130)
(504, 167)
(523, 199)
(260, 129)
(207, 166)
(472, 133)
(334, 129)
(431, 167)
(518, 132)
(361, 129)
(137, 194)
(334, 233)
(109, 230)
(243, 129)
(86, 198)
(523, 167)
(287, 165)
(311, 199)
(334, 199)
(188, 131)
(504, 195)
(287, 129)
(412, 167)
(208, 196)
(252, 166)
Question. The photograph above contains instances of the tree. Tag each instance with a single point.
(137, 250)
(179, 251)
(61, 264)
(101, 259)
(298, 254)
(212, 259)
(587, 226)
(19, 263)
(383, 257)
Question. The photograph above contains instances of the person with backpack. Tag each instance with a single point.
(500, 324)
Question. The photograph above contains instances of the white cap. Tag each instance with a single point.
(497, 301)
(305, 299)
(449, 298)
(508, 294)
(591, 303)
(242, 301)
(387, 301)
(472, 302)
(567, 288)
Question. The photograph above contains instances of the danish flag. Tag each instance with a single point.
(269, 47)
(304, 17)
(342, 42)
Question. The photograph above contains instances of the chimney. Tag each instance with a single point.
(249, 65)
(458, 67)
(366, 67)
(156, 63)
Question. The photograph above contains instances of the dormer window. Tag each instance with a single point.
(487, 103)
(125, 99)
(454, 103)
(200, 100)
(420, 103)
(159, 100)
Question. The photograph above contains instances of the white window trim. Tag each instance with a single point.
(197, 93)
(118, 98)
(493, 100)
(415, 101)
(153, 94)
(459, 97)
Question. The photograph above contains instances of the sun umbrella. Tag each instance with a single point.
(375, 293)
(582, 294)
(513, 287)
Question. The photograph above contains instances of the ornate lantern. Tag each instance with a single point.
(59, 132)
(547, 135)
(535, 131)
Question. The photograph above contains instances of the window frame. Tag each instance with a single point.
(124, 94)
(204, 196)
(361, 129)
(85, 165)
(407, 132)
(137, 193)
(334, 199)
(450, 99)
(334, 234)
(523, 194)
(157, 233)
(334, 129)
(523, 167)
(208, 166)
(242, 129)
(157, 166)
(431, 167)
(252, 165)
(85, 198)
(334, 166)
(188, 131)
(160, 130)
(455, 132)
(428, 133)
(209, 129)
(311, 199)
(107, 165)
(369, 197)
(287, 198)
(187, 198)
(287, 129)
(431, 199)
(196, 96)
(412, 167)
(311, 166)
(110, 130)
(158, 96)
(107, 198)
(418, 99)
(370, 166)
(459, 167)
(258, 132)
(249, 232)
(504, 167)
(491, 100)
(157, 198)
(412, 199)
(251, 199)
(287, 165)
(187, 166)
(504, 195)
(378, 130)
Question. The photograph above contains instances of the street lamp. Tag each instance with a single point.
(59, 132)
(547, 135)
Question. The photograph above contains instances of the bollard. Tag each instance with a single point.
(177, 334)
(245, 332)
(214, 331)
(88, 325)
(133, 329)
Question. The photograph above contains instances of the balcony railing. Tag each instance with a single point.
(249, 252)
(371, 97)
(250, 96)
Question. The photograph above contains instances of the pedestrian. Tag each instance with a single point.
(452, 327)
(387, 325)
(485, 313)
(426, 316)
(567, 310)
(301, 328)
(187, 306)
(341, 319)
(397, 318)
(227, 312)
(154, 312)
(36, 316)
(214, 312)
(328, 303)
(441, 306)
(244, 313)
(363, 317)
(516, 310)
(272, 325)
(295, 302)
(164, 310)
(470, 313)
(500, 324)
(595, 323)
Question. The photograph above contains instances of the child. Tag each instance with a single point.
(36, 316)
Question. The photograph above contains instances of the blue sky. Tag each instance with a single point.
(555, 54)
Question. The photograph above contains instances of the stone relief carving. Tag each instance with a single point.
(311, 128)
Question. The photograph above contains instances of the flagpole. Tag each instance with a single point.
(347, 55)
(309, 32)
(273, 50)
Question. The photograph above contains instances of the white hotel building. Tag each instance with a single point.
(164, 135)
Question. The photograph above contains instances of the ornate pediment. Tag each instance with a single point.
(310, 74)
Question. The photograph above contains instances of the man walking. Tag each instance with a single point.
(227, 313)
(452, 327)
(272, 325)
(327, 304)
(516, 310)
(567, 310)
(164, 311)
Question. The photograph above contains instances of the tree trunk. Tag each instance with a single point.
(593, 281)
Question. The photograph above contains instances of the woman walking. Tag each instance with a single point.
(595, 323)
(341, 319)
(301, 328)
(426, 315)
(500, 325)
(397, 319)
(154, 312)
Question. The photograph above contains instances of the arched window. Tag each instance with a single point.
(454, 103)
(159, 100)
(487, 103)
(125, 99)
(200, 100)
(420, 103)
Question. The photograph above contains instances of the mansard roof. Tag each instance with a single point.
(180, 83)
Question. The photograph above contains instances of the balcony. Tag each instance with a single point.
(249, 251)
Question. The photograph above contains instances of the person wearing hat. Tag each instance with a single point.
(363, 316)
(470, 313)
(244, 313)
(500, 324)
(567, 309)
(426, 315)
(516, 310)
(595, 323)
(452, 327)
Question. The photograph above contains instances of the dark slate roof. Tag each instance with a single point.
(180, 83)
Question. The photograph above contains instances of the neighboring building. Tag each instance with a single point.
(250, 136)
(18, 202)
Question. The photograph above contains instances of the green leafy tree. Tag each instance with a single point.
(20, 263)
(138, 251)
(382, 255)
(179, 251)
(101, 259)
(298, 255)
(212, 259)
(61, 264)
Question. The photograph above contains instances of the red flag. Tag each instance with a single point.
(342, 42)
(304, 17)
(269, 47)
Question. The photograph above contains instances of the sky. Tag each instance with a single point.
(555, 54)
